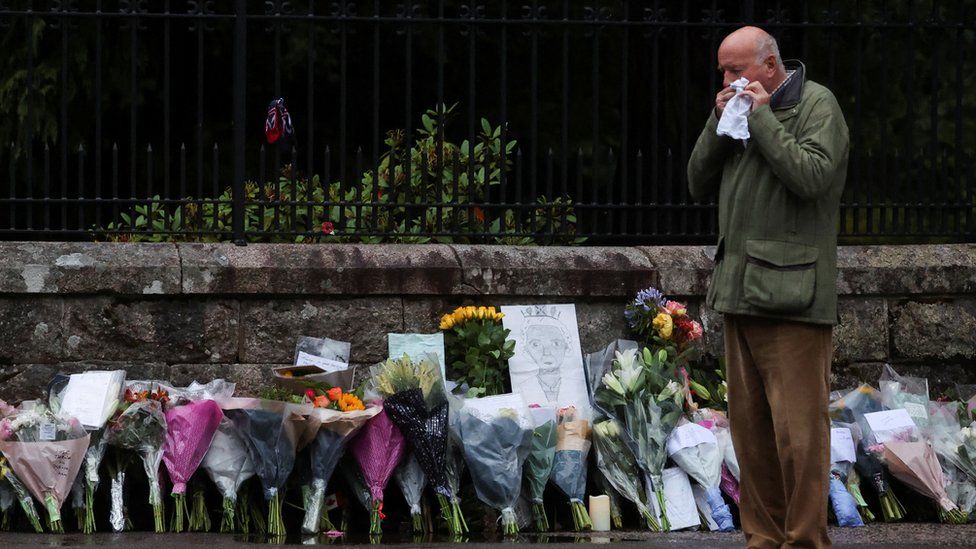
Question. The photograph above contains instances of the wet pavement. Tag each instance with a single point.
(872, 536)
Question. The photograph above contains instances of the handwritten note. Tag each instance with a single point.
(888, 424)
(88, 395)
(327, 364)
(688, 435)
(841, 445)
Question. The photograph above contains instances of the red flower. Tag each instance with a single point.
(327, 227)
(334, 393)
(310, 394)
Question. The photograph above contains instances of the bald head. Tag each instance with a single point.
(752, 53)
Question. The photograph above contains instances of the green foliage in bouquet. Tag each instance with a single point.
(708, 387)
(661, 323)
(478, 349)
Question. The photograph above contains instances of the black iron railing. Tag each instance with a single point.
(512, 122)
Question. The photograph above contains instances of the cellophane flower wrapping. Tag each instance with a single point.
(851, 408)
(416, 401)
(615, 459)
(909, 393)
(10, 481)
(843, 503)
(410, 478)
(190, 429)
(378, 449)
(336, 429)
(703, 463)
(271, 430)
(229, 465)
(569, 462)
(70, 396)
(496, 443)
(538, 464)
(915, 464)
(45, 452)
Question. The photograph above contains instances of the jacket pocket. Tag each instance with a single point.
(780, 276)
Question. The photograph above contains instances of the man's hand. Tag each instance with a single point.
(757, 93)
(722, 99)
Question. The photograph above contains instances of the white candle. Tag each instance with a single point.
(600, 513)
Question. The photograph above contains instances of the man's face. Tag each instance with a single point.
(737, 60)
(546, 346)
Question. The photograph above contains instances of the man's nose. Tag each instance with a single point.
(727, 79)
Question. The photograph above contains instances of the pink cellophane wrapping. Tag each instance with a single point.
(378, 450)
(729, 485)
(190, 429)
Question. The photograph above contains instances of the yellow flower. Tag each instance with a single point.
(664, 325)
(350, 402)
(447, 322)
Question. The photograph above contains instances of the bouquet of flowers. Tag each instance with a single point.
(496, 443)
(661, 323)
(616, 461)
(695, 449)
(190, 429)
(538, 464)
(915, 464)
(46, 453)
(415, 399)
(569, 462)
(8, 480)
(644, 392)
(228, 464)
(410, 478)
(478, 349)
(908, 393)
(716, 422)
(378, 449)
(944, 433)
(92, 397)
(842, 458)
(271, 430)
(967, 451)
(339, 416)
(139, 425)
(851, 408)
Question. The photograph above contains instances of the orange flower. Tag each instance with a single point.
(334, 393)
(350, 402)
(321, 401)
(479, 214)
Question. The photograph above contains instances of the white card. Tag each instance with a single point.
(889, 423)
(679, 500)
(703, 509)
(688, 435)
(842, 445)
(87, 395)
(417, 347)
(327, 364)
(47, 432)
(916, 410)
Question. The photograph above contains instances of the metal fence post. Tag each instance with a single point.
(240, 87)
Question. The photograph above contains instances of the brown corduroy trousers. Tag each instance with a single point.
(778, 385)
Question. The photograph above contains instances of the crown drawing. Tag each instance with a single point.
(541, 312)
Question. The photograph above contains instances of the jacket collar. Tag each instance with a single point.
(789, 94)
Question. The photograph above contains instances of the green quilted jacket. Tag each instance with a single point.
(778, 204)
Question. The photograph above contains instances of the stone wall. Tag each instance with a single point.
(185, 311)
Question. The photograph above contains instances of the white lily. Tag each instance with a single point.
(628, 370)
(613, 384)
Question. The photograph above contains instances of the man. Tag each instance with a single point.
(774, 281)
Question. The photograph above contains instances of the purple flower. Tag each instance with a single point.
(648, 296)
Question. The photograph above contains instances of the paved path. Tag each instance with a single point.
(874, 536)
